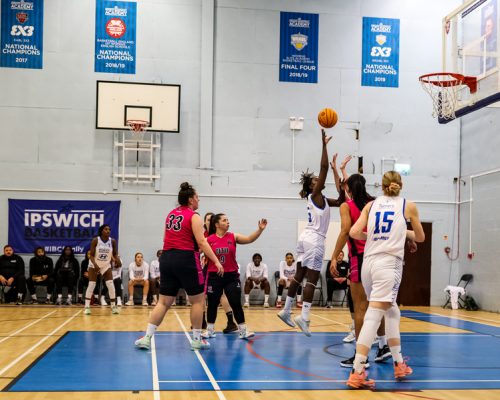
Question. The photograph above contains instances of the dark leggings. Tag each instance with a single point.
(349, 300)
(65, 278)
(229, 284)
(118, 286)
(331, 286)
(281, 287)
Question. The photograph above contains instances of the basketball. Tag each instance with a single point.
(327, 118)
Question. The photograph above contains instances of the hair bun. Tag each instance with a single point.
(185, 186)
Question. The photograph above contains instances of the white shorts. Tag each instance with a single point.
(311, 250)
(101, 269)
(381, 276)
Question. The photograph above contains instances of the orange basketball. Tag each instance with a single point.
(327, 118)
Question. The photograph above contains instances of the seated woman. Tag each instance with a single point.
(138, 276)
(337, 282)
(287, 272)
(66, 273)
(41, 274)
(257, 277)
(154, 277)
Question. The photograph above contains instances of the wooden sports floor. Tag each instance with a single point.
(51, 352)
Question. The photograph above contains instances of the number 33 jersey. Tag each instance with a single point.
(178, 232)
(386, 227)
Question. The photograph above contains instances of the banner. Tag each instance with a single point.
(53, 224)
(299, 47)
(115, 32)
(380, 65)
(22, 34)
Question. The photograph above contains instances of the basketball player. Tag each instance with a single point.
(180, 266)
(385, 218)
(223, 243)
(231, 325)
(311, 244)
(349, 214)
(103, 251)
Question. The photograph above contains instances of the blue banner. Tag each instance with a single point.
(22, 34)
(380, 65)
(115, 32)
(53, 224)
(299, 47)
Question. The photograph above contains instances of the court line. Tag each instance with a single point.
(467, 316)
(331, 320)
(6, 368)
(342, 334)
(214, 383)
(154, 368)
(339, 381)
(26, 327)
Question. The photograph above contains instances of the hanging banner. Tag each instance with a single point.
(53, 224)
(115, 33)
(299, 47)
(380, 64)
(22, 34)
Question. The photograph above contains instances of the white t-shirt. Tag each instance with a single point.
(138, 272)
(287, 271)
(117, 272)
(255, 272)
(154, 269)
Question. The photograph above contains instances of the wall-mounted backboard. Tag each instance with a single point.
(158, 104)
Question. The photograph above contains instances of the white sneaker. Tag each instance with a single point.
(59, 301)
(208, 334)
(303, 325)
(246, 305)
(119, 301)
(86, 311)
(115, 310)
(129, 303)
(200, 345)
(286, 317)
(143, 342)
(154, 302)
(245, 335)
(103, 301)
(145, 303)
(351, 337)
(266, 305)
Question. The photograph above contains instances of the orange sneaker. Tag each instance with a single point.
(359, 380)
(401, 370)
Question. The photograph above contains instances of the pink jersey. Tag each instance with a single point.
(178, 232)
(225, 249)
(355, 246)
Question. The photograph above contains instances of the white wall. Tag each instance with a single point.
(49, 118)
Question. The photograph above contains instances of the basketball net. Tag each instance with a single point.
(444, 87)
(137, 128)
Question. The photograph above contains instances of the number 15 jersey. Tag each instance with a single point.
(386, 227)
(178, 232)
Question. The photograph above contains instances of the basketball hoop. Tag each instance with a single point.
(443, 87)
(137, 126)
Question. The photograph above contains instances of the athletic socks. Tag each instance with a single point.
(197, 334)
(359, 362)
(382, 341)
(266, 298)
(288, 304)
(306, 310)
(151, 329)
(247, 298)
(396, 354)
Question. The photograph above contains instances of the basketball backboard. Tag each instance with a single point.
(470, 48)
(118, 102)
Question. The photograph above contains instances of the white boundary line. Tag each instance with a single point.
(214, 383)
(6, 368)
(343, 381)
(26, 327)
(331, 320)
(341, 334)
(154, 369)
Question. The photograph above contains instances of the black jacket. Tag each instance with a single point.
(41, 266)
(73, 265)
(12, 266)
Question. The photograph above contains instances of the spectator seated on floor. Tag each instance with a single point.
(66, 273)
(12, 275)
(257, 277)
(336, 283)
(138, 276)
(287, 270)
(41, 274)
(154, 277)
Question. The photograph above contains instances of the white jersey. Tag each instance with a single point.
(103, 253)
(386, 227)
(318, 219)
(287, 271)
(255, 272)
(154, 269)
(138, 272)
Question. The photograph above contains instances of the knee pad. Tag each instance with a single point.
(90, 289)
(371, 322)
(111, 289)
(392, 319)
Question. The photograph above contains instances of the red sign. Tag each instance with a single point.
(116, 28)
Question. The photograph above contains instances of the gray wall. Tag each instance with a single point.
(50, 141)
(479, 139)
